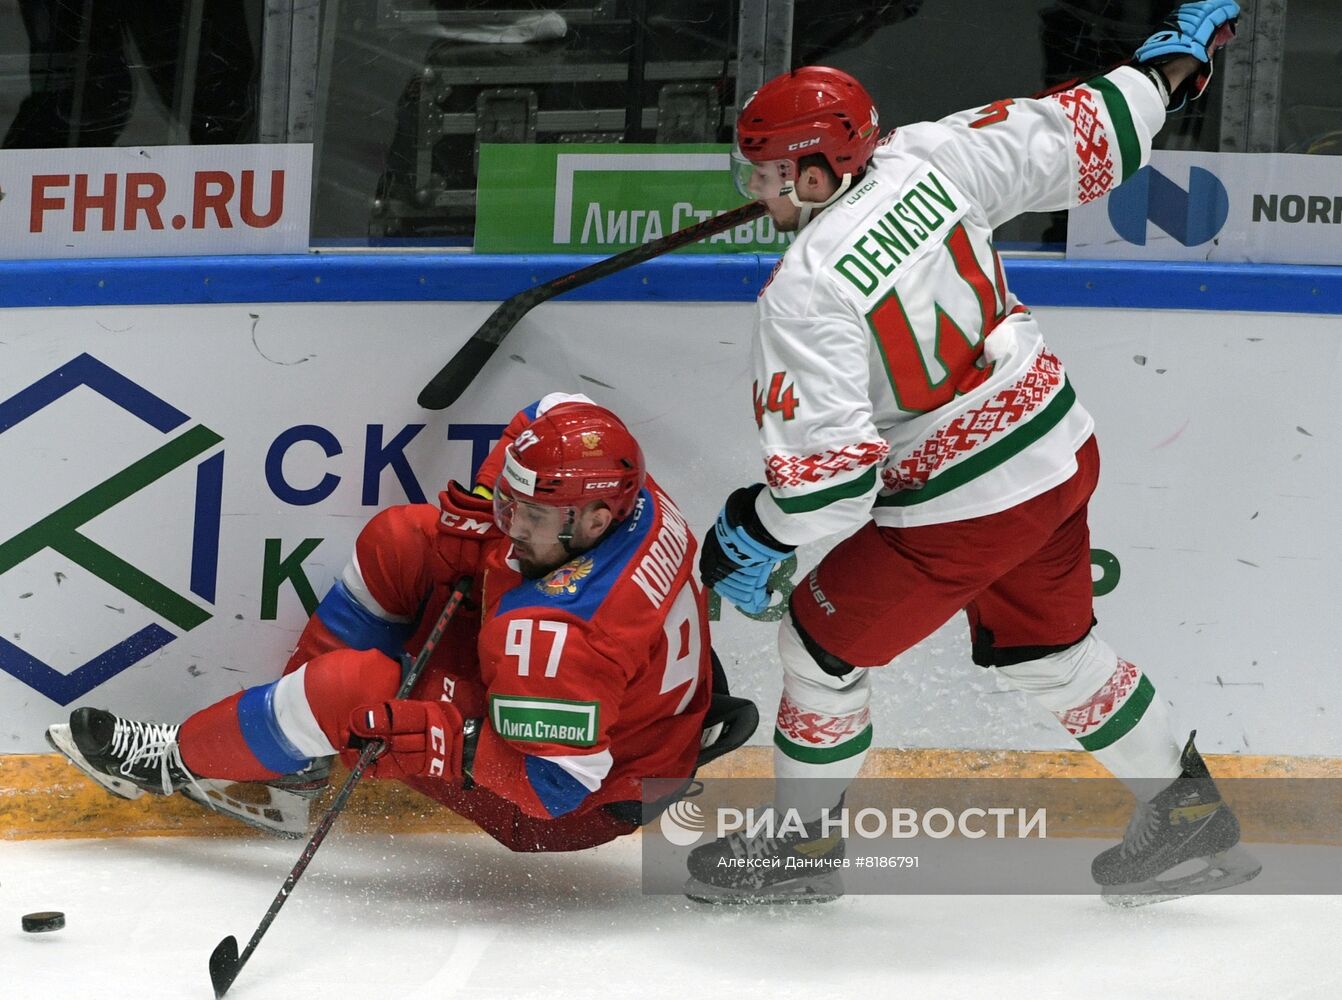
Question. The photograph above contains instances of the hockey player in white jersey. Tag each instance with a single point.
(905, 398)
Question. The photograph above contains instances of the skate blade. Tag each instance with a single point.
(309, 783)
(826, 890)
(60, 740)
(1221, 871)
(274, 811)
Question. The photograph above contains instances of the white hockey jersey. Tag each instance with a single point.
(896, 376)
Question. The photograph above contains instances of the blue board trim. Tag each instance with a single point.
(430, 277)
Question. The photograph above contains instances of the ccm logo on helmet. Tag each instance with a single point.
(805, 143)
(610, 484)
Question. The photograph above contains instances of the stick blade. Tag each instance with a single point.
(224, 965)
(446, 387)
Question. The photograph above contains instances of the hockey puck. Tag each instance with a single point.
(47, 920)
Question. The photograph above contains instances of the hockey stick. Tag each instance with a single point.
(225, 963)
(444, 388)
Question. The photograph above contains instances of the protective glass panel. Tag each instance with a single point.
(416, 87)
(1310, 112)
(407, 91)
(87, 73)
(923, 61)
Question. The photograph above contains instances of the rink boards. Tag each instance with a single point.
(190, 448)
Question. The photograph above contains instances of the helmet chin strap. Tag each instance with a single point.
(809, 208)
(566, 534)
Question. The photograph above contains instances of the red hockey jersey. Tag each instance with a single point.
(587, 680)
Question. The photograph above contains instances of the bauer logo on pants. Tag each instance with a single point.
(82, 553)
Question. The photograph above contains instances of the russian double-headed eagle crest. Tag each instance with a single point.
(565, 579)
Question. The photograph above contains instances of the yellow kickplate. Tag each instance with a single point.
(44, 796)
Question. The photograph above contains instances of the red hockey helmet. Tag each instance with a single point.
(814, 109)
(571, 455)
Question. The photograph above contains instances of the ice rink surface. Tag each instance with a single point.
(432, 917)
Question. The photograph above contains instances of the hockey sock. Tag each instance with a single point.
(822, 733)
(255, 735)
(213, 745)
(279, 728)
(1109, 706)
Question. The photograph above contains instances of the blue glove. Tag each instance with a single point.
(739, 554)
(1194, 29)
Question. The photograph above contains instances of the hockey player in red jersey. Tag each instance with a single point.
(583, 668)
(906, 399)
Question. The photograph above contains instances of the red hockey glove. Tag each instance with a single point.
(465, 526)
(465, 515)
(423, 738)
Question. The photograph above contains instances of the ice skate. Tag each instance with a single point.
(130, 758)
(307, 783)
(1181, 843)
(127, 758)
(279, 807)
(737, 869)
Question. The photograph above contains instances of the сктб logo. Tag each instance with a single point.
(64, 529)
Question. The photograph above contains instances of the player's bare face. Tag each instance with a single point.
(786, 216)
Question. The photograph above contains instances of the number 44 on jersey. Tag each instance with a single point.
(781, 398)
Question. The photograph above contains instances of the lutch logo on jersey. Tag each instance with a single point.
(565, 579)
(56, 558)
(1193, 216)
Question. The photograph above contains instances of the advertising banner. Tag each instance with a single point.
(182, 484)
(1263, 208)
(603, 198)
(154, 201)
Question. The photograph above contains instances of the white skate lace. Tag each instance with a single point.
(752, 847)
(154, 744)
(1141, 829)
